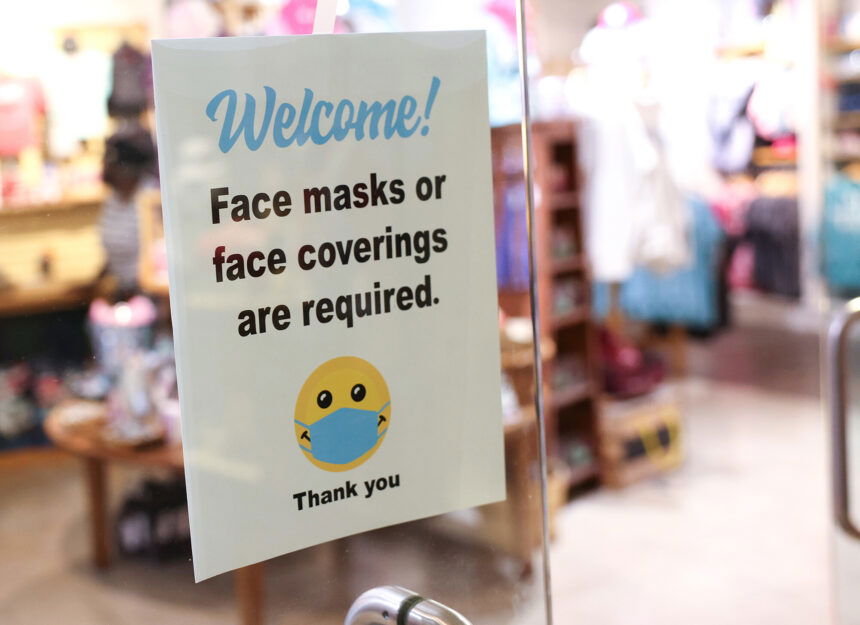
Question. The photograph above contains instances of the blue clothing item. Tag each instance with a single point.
(512, 241)
(687, 296)
(344, 435)
(840, 234)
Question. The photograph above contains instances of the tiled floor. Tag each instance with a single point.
(738, 535)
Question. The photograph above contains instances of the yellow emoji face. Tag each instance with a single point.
(342, 413)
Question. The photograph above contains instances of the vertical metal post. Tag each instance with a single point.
(525, 124)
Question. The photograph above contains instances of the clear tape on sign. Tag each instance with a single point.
(324, 17)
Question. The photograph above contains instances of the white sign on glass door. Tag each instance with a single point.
(328, 213)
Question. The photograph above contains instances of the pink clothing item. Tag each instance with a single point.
(741, 267)
(21, 104)
(298, 16)
(506, 12)
(785, 147)
(135, 313)
(731, 204)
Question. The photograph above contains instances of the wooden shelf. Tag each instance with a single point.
(574, 318)
(511, 176)
(568, 265)
(13, 210)
(572, 395)
(581, 474)
(842, 46)
(558, 179)
(45, 297)
(555, 131)
(847, 121)
(63, 235)
(562, 200)
(765, 156)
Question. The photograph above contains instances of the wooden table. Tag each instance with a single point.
(96, 456)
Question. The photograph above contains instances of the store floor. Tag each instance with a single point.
(739, 534)
(46, 575)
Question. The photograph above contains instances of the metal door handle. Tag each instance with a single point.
(394, 605)
(837, 349)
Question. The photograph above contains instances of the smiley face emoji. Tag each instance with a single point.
(342, 413)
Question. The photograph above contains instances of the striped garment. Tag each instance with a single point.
(119, 232)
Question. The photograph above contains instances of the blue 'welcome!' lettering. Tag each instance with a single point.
(318, 121)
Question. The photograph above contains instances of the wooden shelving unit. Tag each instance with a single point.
(571, 263)
(571, 388)
(64, 232)
(571, 395)
(837, 121)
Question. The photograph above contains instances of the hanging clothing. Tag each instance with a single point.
(731, 203)
(616, 154)
(686, 296)
(77, 86)
(21, 105)
(119, 234)
(662, 211)
(771, 106)
(131, 91)
(616, 157)
(732, 130)
(633, 212)
(773, 229)
(512, 241)
(840, 235)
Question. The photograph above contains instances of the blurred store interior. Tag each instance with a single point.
(697, 221)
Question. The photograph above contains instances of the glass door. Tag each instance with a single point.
(839, 231)
(479, 565)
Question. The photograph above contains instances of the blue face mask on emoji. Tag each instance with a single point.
(344, 435)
